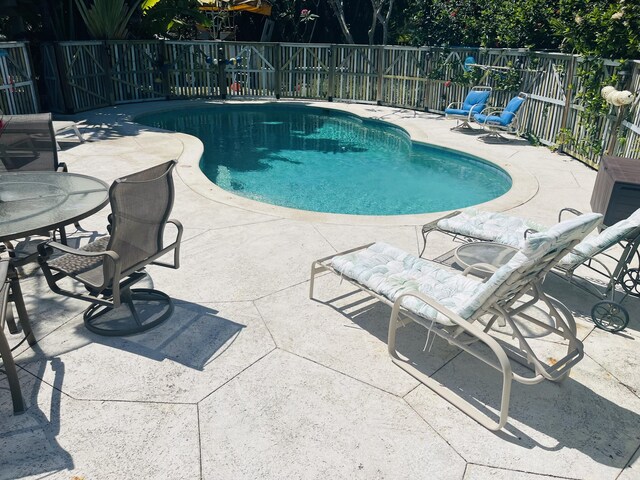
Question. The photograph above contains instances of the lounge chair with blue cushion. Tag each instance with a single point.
(475, 102)
(505, 120)
(448, 302)
(595, 252)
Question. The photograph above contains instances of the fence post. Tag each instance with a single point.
(613, 138)
(568, 92)
(106, 64)
(63, 78)
(277, 67)
(222, 76)
(380, 74)
(331, 91)
(426, 82)
(163, 66)
(423, 59)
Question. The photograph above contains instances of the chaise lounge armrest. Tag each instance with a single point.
(569, 210)
(494, 117)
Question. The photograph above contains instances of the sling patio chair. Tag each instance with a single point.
(28, 144)
(110, 266)
(475, 102)
(10, 293)
(505, 120)
(447, 302)
(598, 253)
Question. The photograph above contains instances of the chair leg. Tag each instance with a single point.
(78, 134)
(316, 267)
(462, 126)
(12, 374)
(444, 392)
(493, 135)
(9, 365)
(16, 297)
(11, 321)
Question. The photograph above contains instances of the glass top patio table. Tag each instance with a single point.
(31, 202)
(484, 257)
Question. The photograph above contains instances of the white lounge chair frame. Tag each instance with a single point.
(503, 303)
(60, 127)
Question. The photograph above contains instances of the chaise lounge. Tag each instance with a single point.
(448, 303)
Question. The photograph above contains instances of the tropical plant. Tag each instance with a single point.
(107, 19)
(171, 18)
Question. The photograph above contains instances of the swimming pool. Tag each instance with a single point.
(323, 160)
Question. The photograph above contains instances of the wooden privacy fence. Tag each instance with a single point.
(17, 89)
(562, 110)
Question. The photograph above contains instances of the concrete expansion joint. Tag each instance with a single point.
(237, 375)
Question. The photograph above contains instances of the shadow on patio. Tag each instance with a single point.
(590, 411)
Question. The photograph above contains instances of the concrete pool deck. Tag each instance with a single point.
(251, 379)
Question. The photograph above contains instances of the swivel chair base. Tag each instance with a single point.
(154, 308)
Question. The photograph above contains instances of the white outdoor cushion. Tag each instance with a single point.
(490, 226)
(599, 243)
(391, 272)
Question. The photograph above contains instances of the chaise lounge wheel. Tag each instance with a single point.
(141, 310)
(610, 316)
(631, 281)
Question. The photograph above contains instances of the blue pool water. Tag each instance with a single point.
(326, 161)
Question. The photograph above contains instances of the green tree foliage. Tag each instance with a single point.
(608, 28)
(175, 19)
(39, 20)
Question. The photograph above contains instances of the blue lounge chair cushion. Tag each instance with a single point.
(456, 111)
(493, 119)
(476, 100)
(506, 116)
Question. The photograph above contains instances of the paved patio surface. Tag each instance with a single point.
(252, 379)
